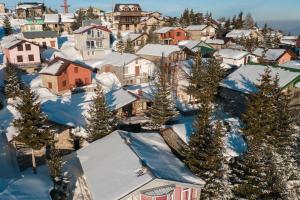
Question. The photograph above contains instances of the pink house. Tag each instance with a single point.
(137, 166)
(23, 54)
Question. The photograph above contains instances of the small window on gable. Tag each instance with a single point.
(20, 47)
(49, 85)
(75, 69)
(27, 47)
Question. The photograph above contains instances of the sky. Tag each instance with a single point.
(262, 10)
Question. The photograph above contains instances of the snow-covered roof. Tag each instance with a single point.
(290, 37)
(40, 34)
(108, 80)
(27, 5)
(67, 17)
(58, 65)
(190, 44)
(86, 28)
(119, 98)
(293, 64)
(246, 77)
(131, 36)
(164, 30)
(51, 18)
(165, 166)
(231, 54)
(238, 33)
(196, 27)
(158, 50)
(116, 59)
(215, 41)
(271, 54)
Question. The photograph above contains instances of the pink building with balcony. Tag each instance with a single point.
(133, 166)
(22, 54)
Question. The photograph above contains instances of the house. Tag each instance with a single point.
(216, 43)
(191, 47)
(150, 21)
(93, 41)
(45, 39)
(232, 57)
(240, 33)
(171, 35)
(30, 9)
(137, 39)
(95, 11)
(200, 32)
(130, 69)
(290, 42)
(126, 17)
(62, 75)
(32, 24)
(144, 174)
(59, 22)
(242, 82)
(22, 54)
(272, 56)
(155, 52)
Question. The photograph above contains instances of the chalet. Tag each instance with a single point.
(242, 82)
(171, 35)
(232, 57)
(155, 52)
(126, 17)
(32, 24)
(137, 39)
(151, 21)
(130, 69)
(62, 75)
(30, 9)
(144, 175)
(272, 56)
(216, 43)
(191, 47)
(22, 54)
(46, 39)
(59, 22)
(95, 11)
(200, 32)
(93, 41)
(290, 42)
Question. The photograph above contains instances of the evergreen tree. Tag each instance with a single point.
(120, 46)
(12, 83)
(100, 120)
(32, 123)
(8, 30)
(78, 21)
(227, 25)
(163, 108)
(129, 47)
(249, 21)
(234, 22)
(90, 14)
(152, 37)
(240, 21)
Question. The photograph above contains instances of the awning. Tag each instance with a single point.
(159, 191)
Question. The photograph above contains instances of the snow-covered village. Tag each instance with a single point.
(149, 100)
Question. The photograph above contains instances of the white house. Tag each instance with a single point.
(240, 33)
(232, 56)
(200, 32)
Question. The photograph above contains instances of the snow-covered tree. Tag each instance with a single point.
(249, 21)
(120, 46)
(8, 30)
(163, 108)
(129, 47)
(32, 126)
(100, 120)
(12, 82)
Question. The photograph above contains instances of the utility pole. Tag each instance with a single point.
(65, 6)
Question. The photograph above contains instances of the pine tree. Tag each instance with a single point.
(100, 120)
(129, 47)
(249, 21)
(120, 46)
(163, 108)
(78, 21)
(152, 37)
(8, 30)
(32, 123)
(240, 21)
(12, 82)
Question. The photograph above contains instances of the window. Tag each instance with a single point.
(75, 69)
(20, 58)
(178, 34)
(186, 194)
(64, 83)
(27, 47)
(20, 47)
(31, 57)
(44, 44)
(99, 34)
(137, 70)
(100, 44)
(90, 44)
(89, 32)
(127, 27)
(50, 85)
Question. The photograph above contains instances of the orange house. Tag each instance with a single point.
(171, 35)
(62, 75)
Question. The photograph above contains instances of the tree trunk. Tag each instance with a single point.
(33, 161)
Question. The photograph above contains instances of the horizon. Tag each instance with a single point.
(267, 10)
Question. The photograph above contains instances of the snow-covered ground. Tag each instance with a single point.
(29, 187)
